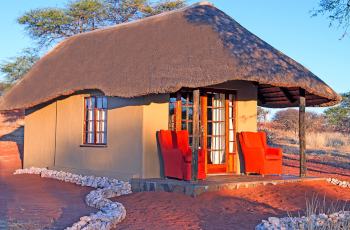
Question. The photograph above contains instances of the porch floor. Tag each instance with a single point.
(214, 182)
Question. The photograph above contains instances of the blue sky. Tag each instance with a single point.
(286, 25)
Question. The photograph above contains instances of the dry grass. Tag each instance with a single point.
(317, 207)
(4, 224)
(328, 139)
(321, 140)
(328, 148)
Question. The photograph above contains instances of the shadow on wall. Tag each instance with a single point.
(8, 151)
(240, 155)
(160, 157)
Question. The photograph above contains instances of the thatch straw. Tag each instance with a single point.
(195, 46)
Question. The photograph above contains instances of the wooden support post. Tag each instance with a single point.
(196, 136)
(302, 130)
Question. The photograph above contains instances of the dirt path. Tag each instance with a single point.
(34, 202)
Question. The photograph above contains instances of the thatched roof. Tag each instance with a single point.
(196, 46)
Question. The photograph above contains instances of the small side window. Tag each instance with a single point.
(95, 120)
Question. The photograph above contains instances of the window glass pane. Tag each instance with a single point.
(190, 98)
(209, 157)
(104, 126)
(104, 138)
(105, 102)
(98, 138)
(223, 157)
(209, 99)
(86, 126)
(99, 102)
(230, 99)
(190, 141)
(209, 114)
(98, 126)
(91, 115)
(104, 114)
(231, 136)
(98, 114)
(86, 138)
(183, 125)
(91, 126)
(190, 128)
(86, 103)
(184, 112)
(210, 128)
(190, 113)
(92, 103)
(91, 138)
(231, 147)
(209, 142)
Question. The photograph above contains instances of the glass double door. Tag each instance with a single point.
(217, 122)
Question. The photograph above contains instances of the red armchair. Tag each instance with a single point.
(177, 155)
(258, 157)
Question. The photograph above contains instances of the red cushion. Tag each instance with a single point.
(272, 157)
(182, 141)
(169, 139)
(188, 158)
(253, 140)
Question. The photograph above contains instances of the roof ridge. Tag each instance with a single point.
(161, 15)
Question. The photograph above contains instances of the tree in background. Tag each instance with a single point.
(289, 120)
(16, 67)
(46, 26)
(49, 25)
(339, 116)
(262, 114)
(338, 12)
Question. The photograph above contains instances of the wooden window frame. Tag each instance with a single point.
(95, 144)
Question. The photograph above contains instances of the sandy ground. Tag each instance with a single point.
(30, 202)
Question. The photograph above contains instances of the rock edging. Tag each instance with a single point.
(110, 214)
(338, 219)
(342, 218)
(334, 181)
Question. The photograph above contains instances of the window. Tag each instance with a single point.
(95, 120)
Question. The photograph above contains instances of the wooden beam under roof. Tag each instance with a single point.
(261, 98)
(288, 95)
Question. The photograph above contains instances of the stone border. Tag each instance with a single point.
(335, 220)
(111, 212)
(334, 181)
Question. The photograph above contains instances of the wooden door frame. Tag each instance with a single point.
(204, 127)
(204, 116)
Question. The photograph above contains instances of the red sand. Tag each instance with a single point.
(48, 203)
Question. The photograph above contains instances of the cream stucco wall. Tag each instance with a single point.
(54, 135)
(39, 135)
(122, 158)
(155, 118)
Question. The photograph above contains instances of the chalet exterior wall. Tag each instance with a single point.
(54, 133)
